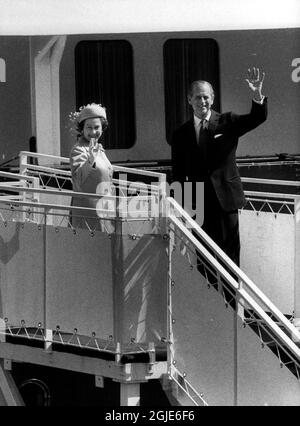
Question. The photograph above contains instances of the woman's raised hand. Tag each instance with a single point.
(94, 148)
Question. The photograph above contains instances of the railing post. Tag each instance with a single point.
(48, 333)
(170, 337)
(36, 198)
(162, 204)
(23, 163)
(22, 171)
(118, 275)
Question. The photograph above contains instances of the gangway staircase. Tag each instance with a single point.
(140, 296)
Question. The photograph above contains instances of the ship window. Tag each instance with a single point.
(186, 60)
(104, 74)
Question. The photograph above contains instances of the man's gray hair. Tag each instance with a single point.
(200, 83)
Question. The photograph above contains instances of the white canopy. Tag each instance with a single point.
(54, 17)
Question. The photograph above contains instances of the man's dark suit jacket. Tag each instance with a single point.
(219, 163)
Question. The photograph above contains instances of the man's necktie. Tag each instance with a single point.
(203, 129)
(203, 141)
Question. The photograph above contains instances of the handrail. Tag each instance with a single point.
(16, 175)
(160, 176)
(270, 194)
(66, 173)
(48, 169)
(15, 184)
(244, 163)
(271, 181)
(39, 155)
(229, 263)
(175, 372)
(69, 193)
(138, 185)
(139, 171)
(48, 206)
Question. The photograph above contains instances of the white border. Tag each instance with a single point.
(51, 17)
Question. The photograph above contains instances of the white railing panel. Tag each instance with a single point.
(205, 341)
(203, 334)
(268, 255)
(262, 303)
(22, 265)
(261, 379)
(79, 281)
(140, 278)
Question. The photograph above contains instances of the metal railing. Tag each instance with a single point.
(218, 267)
(276, 182)
(253, 306)
(158, 182)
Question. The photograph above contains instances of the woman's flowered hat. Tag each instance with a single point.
(92, 110)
